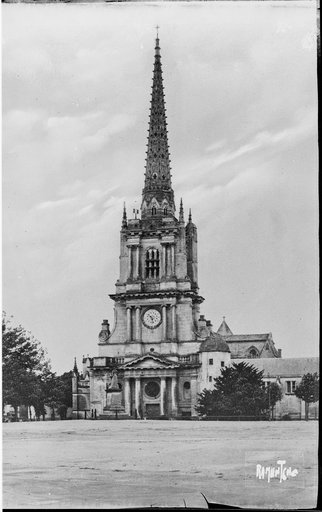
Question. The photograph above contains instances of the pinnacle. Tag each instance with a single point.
(75, 366)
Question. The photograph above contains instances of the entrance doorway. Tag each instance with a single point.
(152, 411)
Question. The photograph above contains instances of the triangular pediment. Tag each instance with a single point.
(150, 361)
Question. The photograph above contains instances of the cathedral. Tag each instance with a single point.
(161, 351)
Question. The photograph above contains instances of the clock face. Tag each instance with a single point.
(152, 318)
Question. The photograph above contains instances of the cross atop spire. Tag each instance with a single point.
(157, 193)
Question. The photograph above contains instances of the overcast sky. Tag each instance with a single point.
(240, 88)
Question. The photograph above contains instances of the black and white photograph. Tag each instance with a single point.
(160, 264)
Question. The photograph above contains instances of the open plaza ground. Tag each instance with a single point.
(113, 464)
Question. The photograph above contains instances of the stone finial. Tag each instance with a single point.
(106, 326)
(104, 332)
(75, 369)
(124, 218)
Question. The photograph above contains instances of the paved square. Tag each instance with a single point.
(114, 464)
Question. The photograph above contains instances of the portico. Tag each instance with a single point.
(150, 387)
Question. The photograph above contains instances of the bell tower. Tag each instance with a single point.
(160, 352)
(156, 298)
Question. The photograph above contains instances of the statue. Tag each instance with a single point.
(115, 401)
(114, 386)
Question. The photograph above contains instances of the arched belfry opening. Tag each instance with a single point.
(152, 263)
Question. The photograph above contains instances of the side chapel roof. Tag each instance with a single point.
(215, 343)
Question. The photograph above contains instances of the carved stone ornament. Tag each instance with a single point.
(103, 335)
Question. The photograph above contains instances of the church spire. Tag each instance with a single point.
(158, 197)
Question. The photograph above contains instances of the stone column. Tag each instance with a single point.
(129, 261)
(137, 323)
(172, 259)
(128, 324)
(137, 262)
(174, 321)
(164, 322)
(162, 395)
(174, 396)
(163, 261)
(137, 395)
(167, 269)
(127, 396)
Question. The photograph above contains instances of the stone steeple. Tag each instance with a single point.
(157, 197)
(224, 329)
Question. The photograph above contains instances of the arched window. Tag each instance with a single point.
(253, 353)
(186, 390)
(152, 263)
(165, 211)
(154, 210)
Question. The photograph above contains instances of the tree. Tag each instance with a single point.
(274, 395)
(239, 392)
(66, 397)
(57, 392)
(206, 403)
(38, 398)
(53, 393)
(308, 390)
(27, 376)
(23, 360)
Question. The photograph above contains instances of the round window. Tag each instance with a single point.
(186, 385)
(152, 389)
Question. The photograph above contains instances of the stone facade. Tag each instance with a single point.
(161, 352)
(288, 373)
